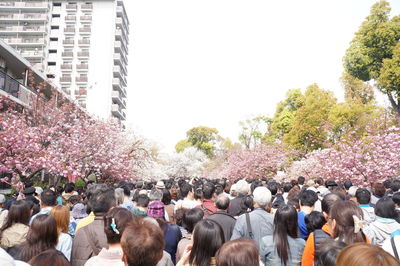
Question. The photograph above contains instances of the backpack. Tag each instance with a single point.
(319, 237)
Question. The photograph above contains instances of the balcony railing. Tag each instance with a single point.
(82, 66)
(16, 89)
(69, 30)
(71, 7)
(68, 42)
(70, 18)
(85, 42)
(85, 30)
(65, 79)
(81, 79)
(86, 6)
(86, 18)
(66, 67)
(83, 54)
(67, 54)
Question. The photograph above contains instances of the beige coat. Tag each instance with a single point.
(14, 235)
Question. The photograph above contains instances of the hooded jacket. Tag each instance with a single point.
(14, 235)
(380, 229)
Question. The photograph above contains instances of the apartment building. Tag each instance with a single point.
(82, 46)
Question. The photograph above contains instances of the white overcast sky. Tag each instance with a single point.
(217, 62)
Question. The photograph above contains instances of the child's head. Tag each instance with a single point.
(314, 220)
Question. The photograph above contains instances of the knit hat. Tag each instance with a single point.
(156, 209)
(79, 211)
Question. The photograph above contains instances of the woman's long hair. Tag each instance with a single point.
(19, 212)
(208, 237)
(41, 236)
(285, 225)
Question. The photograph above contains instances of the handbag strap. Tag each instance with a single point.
(249, 229)
(394, 248)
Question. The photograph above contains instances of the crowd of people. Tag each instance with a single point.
(200, 222)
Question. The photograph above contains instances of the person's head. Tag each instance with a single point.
(294, 192)
(314, 220)
(127, 191)
(327, 252)
(273, 187)
(61, 215)
(287, 186)
(396, 199)
(386, 208)
(347, 184)
(295, 203)
(247, 204)
(156, 210)
(119, 196)
(19, 212)
(262, 197)
(308, 198)
(222, 202)
(102, 198)
(49, 257)
(387, 183)
(142, 201)
(343, 220)
(352, 191)
(69, 188)
(301, 180)
(208, 190)
(208, 237)
(327, 203)
(48, 198)
(186, 190)
(395, 185)
(166, 198)
(238, 252)
(115, 222)
(242, 187)
(142, 243)
(378, 189)
(363, 196)
(362, 254)
(191, 218)
(155, 195)
(285, 224)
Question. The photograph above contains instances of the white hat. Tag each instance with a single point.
(313, 189)
(38, 190)
(160, 185)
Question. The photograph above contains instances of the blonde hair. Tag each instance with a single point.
(61, 215)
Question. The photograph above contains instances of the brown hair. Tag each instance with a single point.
(238, 252)
(379, 189)
(49, 257)
(61, 215)
(365, 255)
(142, 243)
(42, 236)
(342, 213)
(294, 192)
(121, 217)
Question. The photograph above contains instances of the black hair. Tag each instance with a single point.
(287, 186)
(166, 198)
(285, 224)
(198, 193)
(395, 185)
(127, 191)
(301, 180)
(69, 187)
(256, 183)
(219, 189)
(102, 199)
(387, 183)
(222, 202)
(208, 190)
(143, 201)
(191, 218)
(48, 197)
(363, 196)
(246, 203)
(208, 237)
(396, 198)
(273, 187)
(308, 198)
(327, 252)
(185, 188)
(347, 184)
(314, 220)
(328, 201)
(386, 208)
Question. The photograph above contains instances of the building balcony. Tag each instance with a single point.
(19, 92)
(117, 111)
(65, 79)
(117, 97)
(68, 42)
(83, 55)
(67, 54)
(26, 41)
(68, 31)
(86, 7)
(34, 6)
(82, 67)
(80, 80)
(66, 67)
(86, 19)
(70, 19)
(84, 42)
(72, 7)
(24, 17)
(83, 31)
(32, 54)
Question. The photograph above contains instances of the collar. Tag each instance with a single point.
(364, 205)
(385, 220)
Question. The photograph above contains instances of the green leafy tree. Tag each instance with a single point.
(371, 50)
(356, 90)
(285, 112)
(203, 138)
(253, 131)
(309, 128)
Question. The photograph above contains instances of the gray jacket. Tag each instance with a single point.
(380, 229)
(270, 257)
(261, 224)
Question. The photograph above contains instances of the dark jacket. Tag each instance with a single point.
(235, 206)
(172, 236)
(88, 241)
(226, 221)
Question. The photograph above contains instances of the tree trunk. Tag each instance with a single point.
(395, 106)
